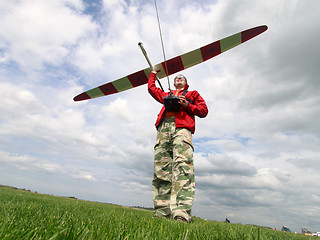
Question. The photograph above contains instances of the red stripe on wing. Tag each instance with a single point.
(80, 97)
(108, 89)
(210, 50)
(251, 33)
(174, 65)
(138, 78)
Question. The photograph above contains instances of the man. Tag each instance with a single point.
(173, 183)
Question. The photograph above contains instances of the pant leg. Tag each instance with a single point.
(162, 180)
(183, 174)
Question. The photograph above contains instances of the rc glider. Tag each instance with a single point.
(172, 65)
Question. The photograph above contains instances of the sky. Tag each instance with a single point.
(256, 153)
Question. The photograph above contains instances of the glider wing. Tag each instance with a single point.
(174, 65)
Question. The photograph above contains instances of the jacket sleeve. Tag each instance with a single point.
(199, 108)
(154, 91)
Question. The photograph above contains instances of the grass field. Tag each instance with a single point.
(28, 215)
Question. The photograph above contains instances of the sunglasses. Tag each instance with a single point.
(179, 76)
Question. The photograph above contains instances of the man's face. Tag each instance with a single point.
(180, 82)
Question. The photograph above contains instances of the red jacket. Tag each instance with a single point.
(185, 117)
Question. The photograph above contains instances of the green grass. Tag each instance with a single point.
(28, 215)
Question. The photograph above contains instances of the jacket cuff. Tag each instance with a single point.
(188, 107)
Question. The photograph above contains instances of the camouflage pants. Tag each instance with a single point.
(173, 185)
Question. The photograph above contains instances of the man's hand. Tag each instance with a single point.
(183, 101)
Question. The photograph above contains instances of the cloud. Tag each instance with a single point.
(223, 165)
(37, 32)
(29, 164)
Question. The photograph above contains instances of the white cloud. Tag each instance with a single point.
(37, 32)
(29, 164)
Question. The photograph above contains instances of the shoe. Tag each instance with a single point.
(180, 219)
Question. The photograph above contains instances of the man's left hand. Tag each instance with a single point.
(183, 101)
